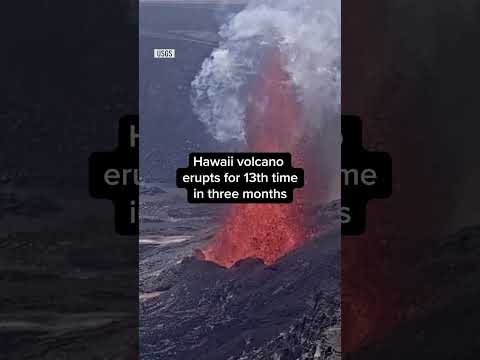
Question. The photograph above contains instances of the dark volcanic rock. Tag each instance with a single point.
(250, 311)
(151, 190)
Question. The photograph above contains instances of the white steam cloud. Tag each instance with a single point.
(307, 34)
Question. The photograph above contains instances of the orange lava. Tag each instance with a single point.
(266, 231)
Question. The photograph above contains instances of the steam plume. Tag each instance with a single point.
(307, 34)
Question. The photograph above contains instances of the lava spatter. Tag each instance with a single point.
(266, 231)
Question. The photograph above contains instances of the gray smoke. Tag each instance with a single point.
(307, 33)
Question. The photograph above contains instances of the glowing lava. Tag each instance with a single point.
(266, 231)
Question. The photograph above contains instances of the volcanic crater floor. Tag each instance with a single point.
(196, 309)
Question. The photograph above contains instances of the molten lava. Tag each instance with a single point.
(266, 231)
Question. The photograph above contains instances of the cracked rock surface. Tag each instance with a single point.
(289, 310)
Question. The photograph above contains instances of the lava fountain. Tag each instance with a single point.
(266, 231)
